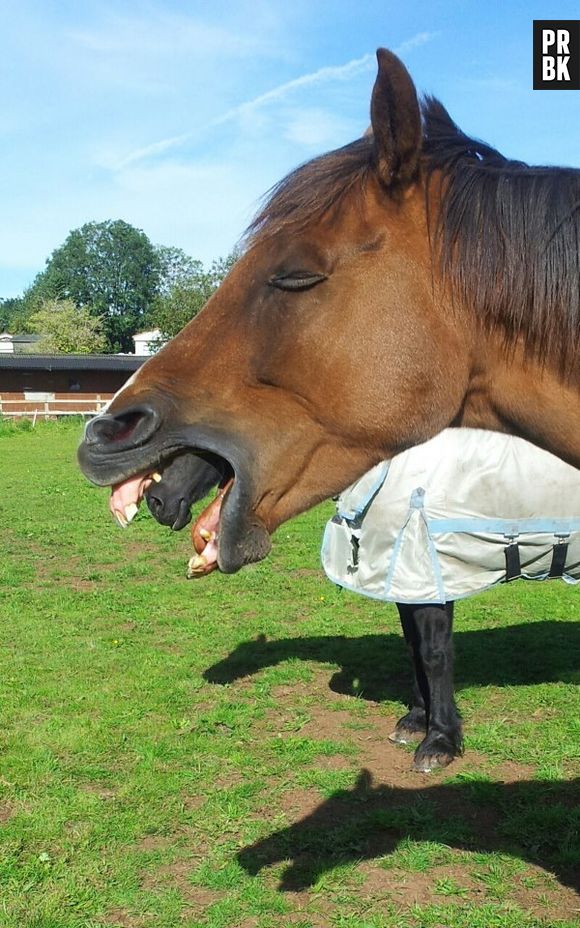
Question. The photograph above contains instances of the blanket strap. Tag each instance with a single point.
(559, 555)
(513, 568)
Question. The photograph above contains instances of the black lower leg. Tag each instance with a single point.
(434, 626)
(413, 725)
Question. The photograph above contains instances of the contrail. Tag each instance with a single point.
(342, 72)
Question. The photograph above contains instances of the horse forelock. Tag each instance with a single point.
(312, 190)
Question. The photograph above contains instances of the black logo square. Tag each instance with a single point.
(557, 54)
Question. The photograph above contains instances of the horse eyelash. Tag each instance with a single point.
(297, 281)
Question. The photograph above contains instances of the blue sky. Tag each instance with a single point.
(177, 116)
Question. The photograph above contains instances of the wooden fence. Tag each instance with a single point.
(14, 405)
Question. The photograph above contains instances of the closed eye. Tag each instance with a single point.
(298, 280)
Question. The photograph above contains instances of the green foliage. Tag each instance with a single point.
(175, 267)
(113, 272)
(187, 288)
(14, 313)
(67, 329)
(111, 269)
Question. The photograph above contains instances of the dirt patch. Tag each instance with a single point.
(559, 902)
(411, 888)
(120, 918)
(424, 888)
(177, 875)
(127, 626)
(6, 811)
(391, 764)
(333, 762)
(97, 789)
(298, 803)
(151, 843)
(77, 583)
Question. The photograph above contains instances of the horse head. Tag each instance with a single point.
(333, 343)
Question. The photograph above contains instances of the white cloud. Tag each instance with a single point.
(326, 75)
(416, 41)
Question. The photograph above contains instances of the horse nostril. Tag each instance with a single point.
(155, 504)
(134, 427)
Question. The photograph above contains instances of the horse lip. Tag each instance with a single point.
(243, 538)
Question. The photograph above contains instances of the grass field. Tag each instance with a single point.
(214, 753)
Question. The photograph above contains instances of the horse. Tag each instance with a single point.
(411, 280)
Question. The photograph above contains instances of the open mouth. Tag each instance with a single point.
(138, 457)
(194, 477)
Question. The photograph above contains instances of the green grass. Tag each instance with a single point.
(214, 753)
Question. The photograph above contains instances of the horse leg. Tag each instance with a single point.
(434, 628)
(428, 633)
(413, 725)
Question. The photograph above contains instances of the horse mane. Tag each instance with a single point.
(507, 237)
(504, 235)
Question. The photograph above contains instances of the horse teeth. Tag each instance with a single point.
(205, 534)
(120, 519)
(156, 477)
(131, 510)
(196, 566)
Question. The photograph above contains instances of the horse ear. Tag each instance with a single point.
(395, 121)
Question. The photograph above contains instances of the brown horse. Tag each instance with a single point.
(409, 281)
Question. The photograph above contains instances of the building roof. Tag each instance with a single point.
(70, 362)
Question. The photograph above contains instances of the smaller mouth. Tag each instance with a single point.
(126, 497)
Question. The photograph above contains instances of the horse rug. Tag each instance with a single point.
(454, 516)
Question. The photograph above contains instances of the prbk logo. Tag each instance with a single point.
(557, 54)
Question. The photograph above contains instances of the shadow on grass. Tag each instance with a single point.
(538, 822)
(377, 666)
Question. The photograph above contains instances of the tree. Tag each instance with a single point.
(67, 329)
(108, 268)
(13, 315)
(188, 292)
(175, 267)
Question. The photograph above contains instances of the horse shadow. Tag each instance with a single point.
(537, 821)
(376, 667)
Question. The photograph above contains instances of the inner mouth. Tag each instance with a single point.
(127, 496)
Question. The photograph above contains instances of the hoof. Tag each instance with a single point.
(406, 736)
(434, 753)
(410, 728)
(429, 762)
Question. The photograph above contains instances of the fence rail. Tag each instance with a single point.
(51, 408)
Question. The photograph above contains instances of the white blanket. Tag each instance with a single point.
(433, 524)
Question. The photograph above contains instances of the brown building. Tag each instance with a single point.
(64, 384)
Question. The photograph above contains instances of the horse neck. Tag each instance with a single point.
(516, 394)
